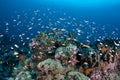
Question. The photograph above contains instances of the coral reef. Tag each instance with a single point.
(57, 55)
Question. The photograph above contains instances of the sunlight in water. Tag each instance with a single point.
(84, 3)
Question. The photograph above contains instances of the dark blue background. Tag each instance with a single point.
(107, 14)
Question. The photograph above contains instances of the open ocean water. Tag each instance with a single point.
(21, 20)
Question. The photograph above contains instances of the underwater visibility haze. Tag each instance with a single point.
(59, 39)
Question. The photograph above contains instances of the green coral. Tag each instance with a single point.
(76, 75)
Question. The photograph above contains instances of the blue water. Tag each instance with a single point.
(22, 20)
(103, 15)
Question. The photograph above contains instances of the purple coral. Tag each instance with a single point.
(33, 44)
(111, 66)
(73, 60)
